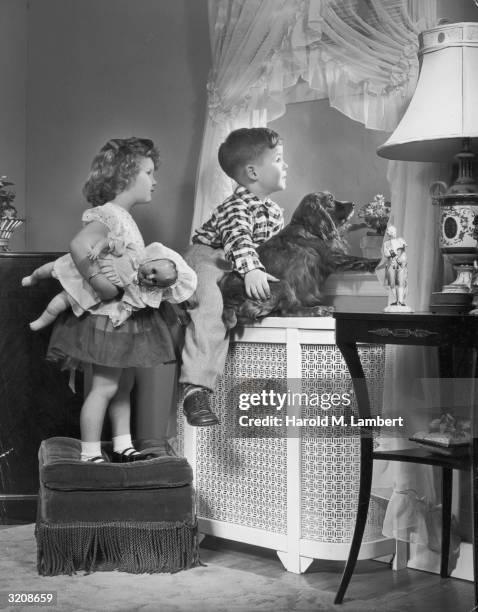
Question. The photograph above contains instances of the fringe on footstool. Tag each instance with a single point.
(137, 548)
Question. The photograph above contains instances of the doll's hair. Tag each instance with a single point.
(115, 166)
(244, 146)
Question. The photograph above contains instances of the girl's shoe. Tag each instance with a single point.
(130, 454)
(97, 459)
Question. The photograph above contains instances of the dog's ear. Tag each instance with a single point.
(324, 226)
(305, 209)
(327, 199)
(313, 214)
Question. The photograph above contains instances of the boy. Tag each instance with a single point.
(253, 157)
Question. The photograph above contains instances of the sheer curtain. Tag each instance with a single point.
(362, 56)
(413, 512)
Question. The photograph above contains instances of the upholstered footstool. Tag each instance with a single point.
(134, 517)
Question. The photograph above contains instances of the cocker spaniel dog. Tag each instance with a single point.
(302, 256)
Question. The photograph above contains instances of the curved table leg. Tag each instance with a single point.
(352, 359)
(447, 480)
(366, 466)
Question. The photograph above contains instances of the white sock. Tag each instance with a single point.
(90, 450)
(121, 443)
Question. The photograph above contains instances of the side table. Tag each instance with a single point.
(444, 331)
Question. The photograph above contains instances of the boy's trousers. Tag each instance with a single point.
(206, 340)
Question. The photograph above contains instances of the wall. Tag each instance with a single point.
(326, 150)
(13, 78)
(113, 68)
(457, 10)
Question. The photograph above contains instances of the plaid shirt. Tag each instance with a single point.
(239, 225)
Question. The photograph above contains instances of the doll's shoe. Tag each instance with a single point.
(130, 454)
(197, 410)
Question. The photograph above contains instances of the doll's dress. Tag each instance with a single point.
(143, 340)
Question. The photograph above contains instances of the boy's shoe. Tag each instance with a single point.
(197, 410)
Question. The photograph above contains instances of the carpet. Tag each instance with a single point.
(213, 588)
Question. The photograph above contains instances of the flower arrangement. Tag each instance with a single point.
(376, 214)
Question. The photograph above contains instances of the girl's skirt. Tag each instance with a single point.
(143, 340)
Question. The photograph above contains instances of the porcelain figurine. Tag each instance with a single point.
(396, 270)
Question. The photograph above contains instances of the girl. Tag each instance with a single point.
(121, 177)
(146, 276)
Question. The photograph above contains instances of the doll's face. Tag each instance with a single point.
(157, 273)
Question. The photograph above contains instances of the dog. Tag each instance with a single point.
(302, 256)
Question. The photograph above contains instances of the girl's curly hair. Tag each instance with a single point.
(115, 167)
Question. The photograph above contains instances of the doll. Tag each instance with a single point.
(146, 277)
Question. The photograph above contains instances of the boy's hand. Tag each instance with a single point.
(257, 286)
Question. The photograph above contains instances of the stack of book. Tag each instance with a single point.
(446, 443)
(451, 302)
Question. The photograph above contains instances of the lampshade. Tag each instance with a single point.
(444, 107)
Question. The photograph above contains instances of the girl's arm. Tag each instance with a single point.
(80, 248)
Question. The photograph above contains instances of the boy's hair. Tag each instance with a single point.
(243, 146)
(115, 166)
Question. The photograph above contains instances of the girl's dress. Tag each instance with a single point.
(143, 340)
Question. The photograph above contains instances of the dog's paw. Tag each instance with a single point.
(313, 311)
(321, 311)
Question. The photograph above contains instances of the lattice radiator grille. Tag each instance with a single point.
(243, 481)
(330, 466)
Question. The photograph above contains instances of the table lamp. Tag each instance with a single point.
(439, 125)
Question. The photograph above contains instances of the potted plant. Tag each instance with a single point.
(375, 215)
